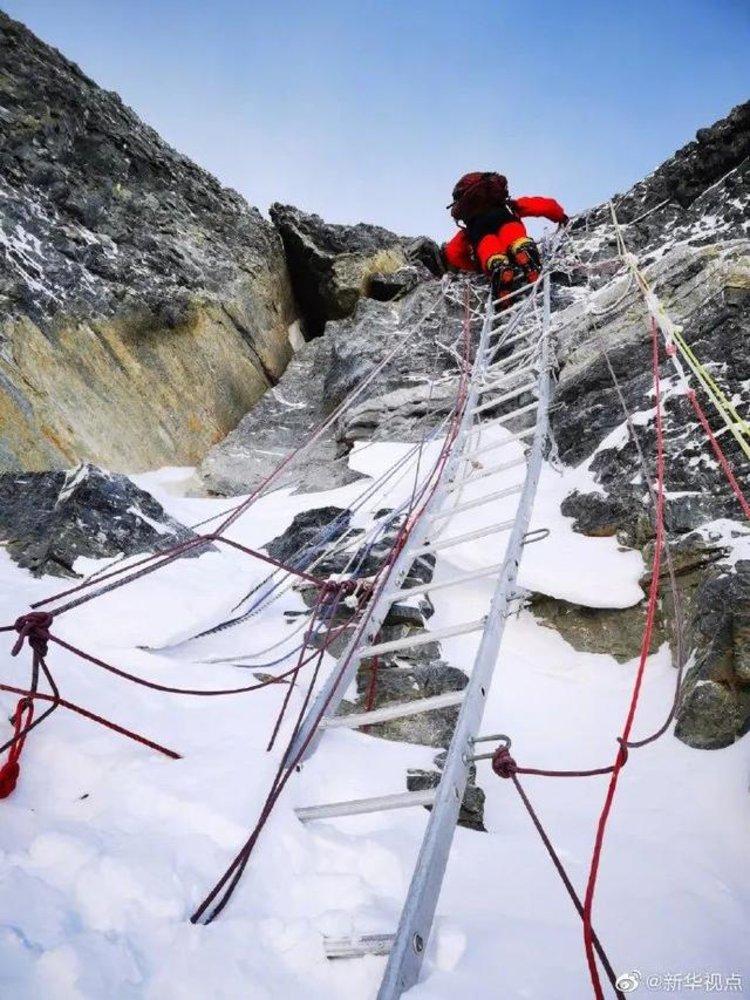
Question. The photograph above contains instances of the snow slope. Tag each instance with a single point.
(106, 847)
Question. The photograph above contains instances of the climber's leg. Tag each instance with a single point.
(499, 242)
(525, 254)
(502, 277)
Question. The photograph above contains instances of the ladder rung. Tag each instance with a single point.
(501, 318)
(419, 639)
(489, 386)
(357, 947)
(399, 710)
(483, 471)
(503, 363)
(515, 295)
(425, 588)
(509, 491)
(514, 339)
(356, 807)
(519, 391)
(512, 414)
(495, 446)
(447, 543)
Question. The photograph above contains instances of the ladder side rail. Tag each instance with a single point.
(407, 953)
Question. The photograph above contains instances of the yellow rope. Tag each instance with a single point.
(735, 423)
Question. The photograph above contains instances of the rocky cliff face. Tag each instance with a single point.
(689, 223)
(143, 307)
(49, 519)
(414, 390)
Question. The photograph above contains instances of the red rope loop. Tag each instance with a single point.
(10, 771)
(33, 628)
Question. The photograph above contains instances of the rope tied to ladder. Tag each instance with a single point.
(504, 765)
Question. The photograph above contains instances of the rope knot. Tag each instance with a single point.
(34, 628)
(503, 764)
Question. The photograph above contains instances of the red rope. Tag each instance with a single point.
(372, 688)
(10, 771)
(720, 456)
(505, 767)
(168, 688)
(588, 934)
(309, 631)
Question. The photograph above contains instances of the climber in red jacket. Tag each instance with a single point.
(493, 238)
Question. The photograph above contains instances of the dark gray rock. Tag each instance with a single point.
(407, 614)
(278, 424)
(407, 683)
(715, 703)
(471, 814)
(75, 156)
(689, 223)
(598, 515)
(332, 266)
(394, 285)
(49, 519)
(308, 533)
(685, 179)
(426, 252)
(407, 398)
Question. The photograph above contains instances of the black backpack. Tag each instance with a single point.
(477, 193)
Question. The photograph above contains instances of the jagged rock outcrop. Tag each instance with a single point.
(414, 389)
(143, 308)
(49, 519)
(333, 266)
(309, 531)
(699, 194)
(707, 291)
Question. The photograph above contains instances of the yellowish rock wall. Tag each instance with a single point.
(129, 394)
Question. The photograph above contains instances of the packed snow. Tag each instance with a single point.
(107, 847)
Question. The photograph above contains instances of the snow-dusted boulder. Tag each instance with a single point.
(49, 519)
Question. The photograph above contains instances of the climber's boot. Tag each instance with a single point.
(525, 254)
(502, 277)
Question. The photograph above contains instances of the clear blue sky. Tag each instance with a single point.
(369, 110)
